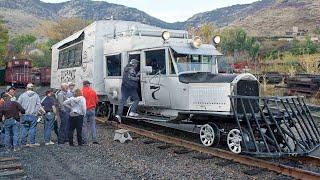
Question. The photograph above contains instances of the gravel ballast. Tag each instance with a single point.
(132, 160)
(137, 159)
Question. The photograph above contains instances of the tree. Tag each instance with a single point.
(254, 50)
(237, 41)
(207, 32)
(295, 47)
(64, 28)
(310, 47)
(4, 39)
(43, 60)
(21, 43)
(240, 40)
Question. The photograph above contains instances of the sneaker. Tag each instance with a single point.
(26, 145)
(15, 149)
(132, 114)
(118, 118)
(49, 143)
(34, 145)
(95, 142)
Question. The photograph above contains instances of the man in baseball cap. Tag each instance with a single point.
(89, 122)
(30, 101)
(86, 83)
(30, 86)
(129, 88)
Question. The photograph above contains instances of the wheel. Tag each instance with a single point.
(104, 109)
(234, 141)
(209, 135)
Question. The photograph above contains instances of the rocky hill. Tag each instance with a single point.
(28, 15)
(261, 18)
(265, 17)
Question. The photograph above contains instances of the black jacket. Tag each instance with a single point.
(130, 79)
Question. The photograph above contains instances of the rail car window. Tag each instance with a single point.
(114, 65)
(71, 56)
(156, 59)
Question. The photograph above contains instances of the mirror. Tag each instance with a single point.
(147, 69)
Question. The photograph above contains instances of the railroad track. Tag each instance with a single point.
(10, 167)
(242, 159)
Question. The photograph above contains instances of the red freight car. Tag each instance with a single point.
(18, 72)
(45, 75)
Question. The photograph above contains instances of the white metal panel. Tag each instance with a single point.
(209, 97)
(205, 49)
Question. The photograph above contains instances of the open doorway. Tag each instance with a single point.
(137, 56)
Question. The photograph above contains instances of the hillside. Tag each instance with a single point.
(261, 18)
(224, 16)
(25, 16)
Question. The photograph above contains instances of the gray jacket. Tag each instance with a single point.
(61, 97)
(130, 78)
(77, 105)
(30, 101)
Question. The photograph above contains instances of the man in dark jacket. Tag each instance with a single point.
(129, 88)
(11, 110)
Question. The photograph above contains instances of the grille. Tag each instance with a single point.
(246, 88)
(213, 98)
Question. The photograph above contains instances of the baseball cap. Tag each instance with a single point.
(71, 84)
(30, 85)
(12, 88)
(134, 61)
(86, 82)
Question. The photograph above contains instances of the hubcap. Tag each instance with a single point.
(233, 140)
(207, 135)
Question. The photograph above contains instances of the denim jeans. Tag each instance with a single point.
(125, 94)
(29, 127)
(48, 126)
(11, 125)
(89, 125)
(63, 131)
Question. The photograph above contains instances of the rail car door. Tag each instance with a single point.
(155, 88)
(136, 55)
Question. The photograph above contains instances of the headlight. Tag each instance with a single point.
(165, 35)
(216, 39)
(196, 42)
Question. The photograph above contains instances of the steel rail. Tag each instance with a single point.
(246, 160)
(310, 160)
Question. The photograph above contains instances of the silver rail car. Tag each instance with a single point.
(180, 87)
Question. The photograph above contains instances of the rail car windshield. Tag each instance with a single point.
(195, 63)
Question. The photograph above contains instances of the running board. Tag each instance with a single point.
(148, 118)
(167, 122)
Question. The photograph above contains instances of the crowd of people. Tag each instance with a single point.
(68, 110)
(63, 112)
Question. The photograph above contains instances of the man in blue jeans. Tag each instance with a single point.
(48, 104)
(89, 123)
(30, 101)
(10, 110)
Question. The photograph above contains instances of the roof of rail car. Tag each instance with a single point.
(116, 26)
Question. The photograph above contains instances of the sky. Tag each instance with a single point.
(173, 10)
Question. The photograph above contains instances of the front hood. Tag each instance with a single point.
(205, 77)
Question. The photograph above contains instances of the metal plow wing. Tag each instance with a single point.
(275, 126)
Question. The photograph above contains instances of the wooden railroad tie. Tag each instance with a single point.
(9, 167)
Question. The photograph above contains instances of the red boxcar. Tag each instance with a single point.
(18, 72)
(45, 75)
